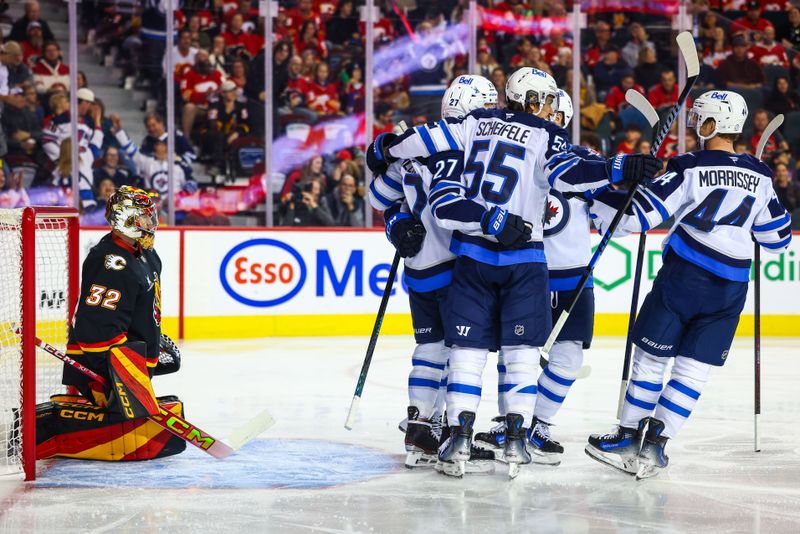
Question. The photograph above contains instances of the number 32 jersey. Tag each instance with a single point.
(507, 159)
(718, 199)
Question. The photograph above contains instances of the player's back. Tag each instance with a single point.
(721, 198)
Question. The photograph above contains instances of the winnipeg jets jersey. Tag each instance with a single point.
(406, 186)
(154, 173)
(499, 158)
(718, 199)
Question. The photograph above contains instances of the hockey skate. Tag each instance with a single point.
(618, 449)
(422, 439)
(493, 440)
(456, 448)
(652, 458)
(544, 449)
(515, 451)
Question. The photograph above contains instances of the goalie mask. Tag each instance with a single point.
(530, 88)
(132, 212)
(726, 108)
(468, 93)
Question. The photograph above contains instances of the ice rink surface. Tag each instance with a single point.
(308, 474)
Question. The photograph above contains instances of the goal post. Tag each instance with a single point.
(38, 291)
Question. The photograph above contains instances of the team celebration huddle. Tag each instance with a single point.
(491, 210)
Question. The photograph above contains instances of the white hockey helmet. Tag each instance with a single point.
(531, 86)
(728, 109)
(468, 93)
(565, 107)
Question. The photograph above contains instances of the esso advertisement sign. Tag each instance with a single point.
(262, 272)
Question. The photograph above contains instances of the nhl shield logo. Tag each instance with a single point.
(519, 330)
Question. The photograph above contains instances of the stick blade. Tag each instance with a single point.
(640, 102)
(773, 125)
(689, 52)
(251, 429)
(351, 415)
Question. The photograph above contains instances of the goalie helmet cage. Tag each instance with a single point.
(38, 292)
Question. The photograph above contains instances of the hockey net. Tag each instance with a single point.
(38, 288)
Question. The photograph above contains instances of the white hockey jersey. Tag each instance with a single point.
(154, 173)
(718, 199)
(405, 187)
(497, 158)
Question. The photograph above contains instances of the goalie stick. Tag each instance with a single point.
(376, 328)
(171, 422)
(773, 125)
(638, 101)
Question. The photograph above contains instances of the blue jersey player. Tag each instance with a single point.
(493, 170)
(402, 194)
(718, 199)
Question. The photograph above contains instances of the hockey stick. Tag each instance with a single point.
(774, 124)
(638, 101)
(373, 340)
(171, 422)
(689, 52)
(255, 426)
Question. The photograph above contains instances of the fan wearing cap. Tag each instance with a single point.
(33, 44)
(738, 71)
(32, 16)
(227, 121)
(751, 24)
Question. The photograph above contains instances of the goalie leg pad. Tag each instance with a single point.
(72, 428)
(131, 395)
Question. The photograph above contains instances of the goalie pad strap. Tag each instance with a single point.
(131, 391)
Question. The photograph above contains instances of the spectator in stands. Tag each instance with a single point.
(602, 42)
(521, 57)
(791, 39)
(642, 146)
(664, 95)
(22, 127)
(787, 189)
(768, 51)
(535, 60)
(217, 54)
(738, 71)
(112, 170)
(342, 27)
(718, 49)
(615, 101)
(49, 73)
(198, 85)
(609, 72)
(499, 81)
(19, 30)
(296, 80)
(782, 99)
(80, 79)
(343, 164)
(228, 120)
(550, 49)
(238, 75)
(33, 45)
(383, 119)
(354, 90)
(105, 189)
(344, 204)
(485, 62)
(638, 42)
(751, 25)
(311, 171)
(302, 207)
(183, 55)
(776, 140)
(323, 93)
(633, 133)
(309, 39)
(235, 37)
(157, 132)
(199, 37)
(648, 71)
(12, 193)
(32, 102)
(304, 11)
(18, 71)
(708, 29)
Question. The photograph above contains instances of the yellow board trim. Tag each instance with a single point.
(255, 326)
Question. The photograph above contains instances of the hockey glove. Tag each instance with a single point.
(637, 168)
(405, 233)
(509, 229)
(378, 158)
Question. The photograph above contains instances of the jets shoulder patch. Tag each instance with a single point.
(114, 262)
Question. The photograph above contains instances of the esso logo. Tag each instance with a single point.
(262, 272)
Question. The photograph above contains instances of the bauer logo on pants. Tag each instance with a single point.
(262, 272)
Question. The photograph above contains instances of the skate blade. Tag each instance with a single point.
(451, 469)
(648, 471)
(545, 458)
(629, 468)
(403, 425)
(513, 470)
(479, 467)
(416, 459)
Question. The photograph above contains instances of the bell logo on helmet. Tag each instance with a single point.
(540, 73)
(718, 96)
(466, 80)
